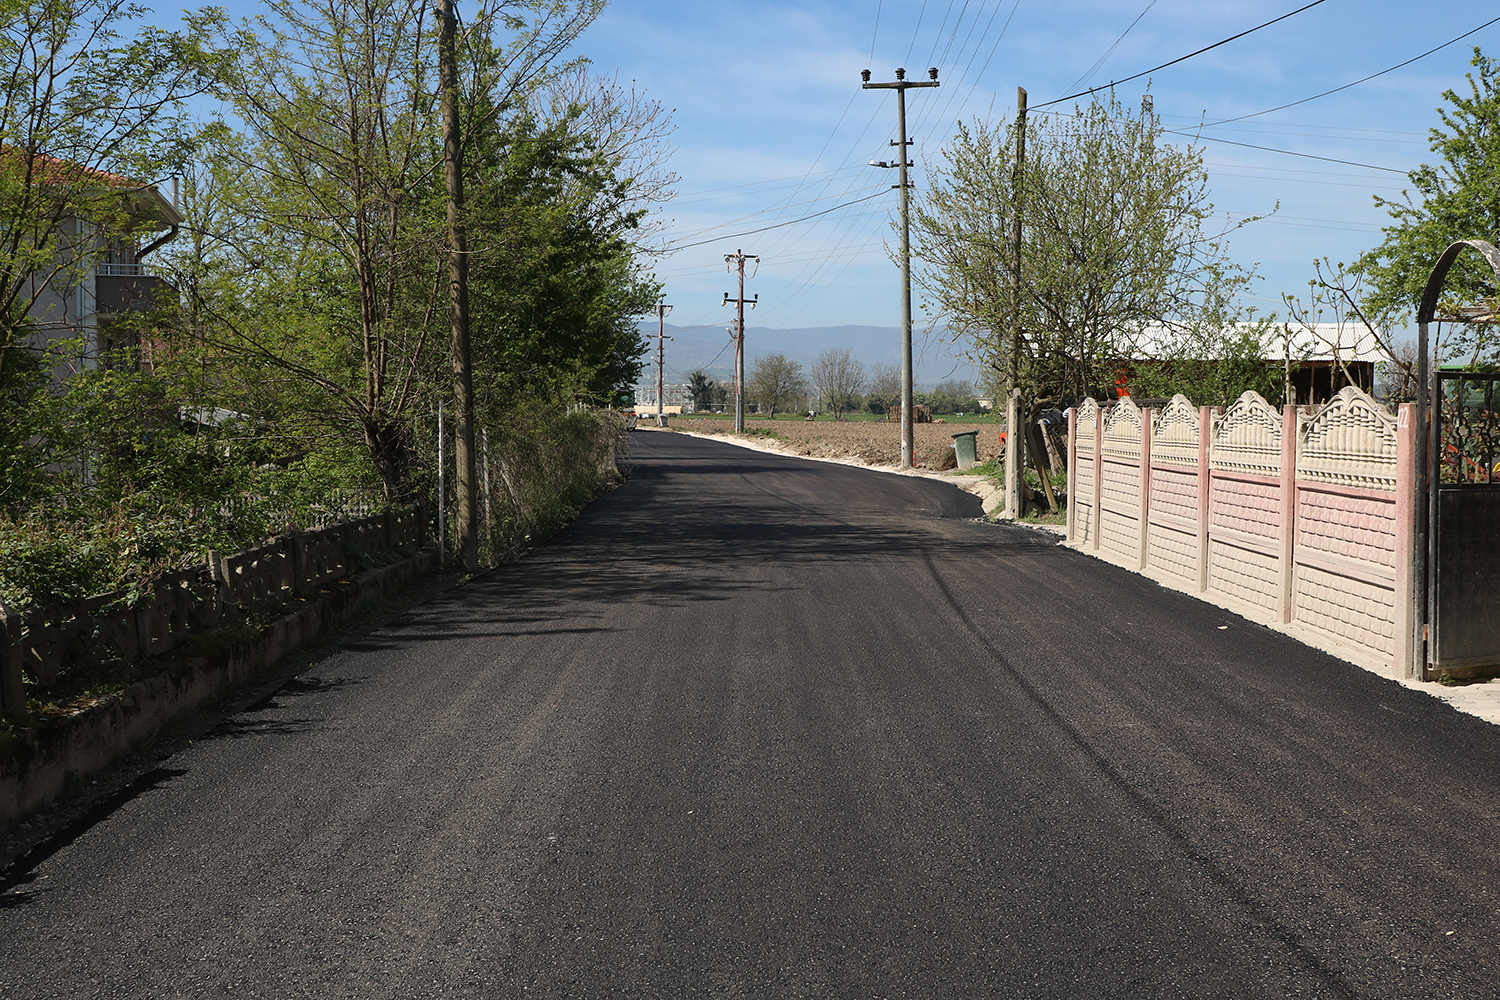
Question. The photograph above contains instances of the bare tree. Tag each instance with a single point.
(839, 378)
(1339, 293)
(885, 384)
(624, 126)
(1398, 376)
(775, 380)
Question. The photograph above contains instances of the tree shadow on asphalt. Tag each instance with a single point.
(241, 728)
(301, 685)
(693, 525)
(22, 870)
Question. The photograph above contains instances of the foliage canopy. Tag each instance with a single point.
(1115, 243)
(1456, 199)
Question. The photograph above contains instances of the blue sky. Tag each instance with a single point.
(772, 124)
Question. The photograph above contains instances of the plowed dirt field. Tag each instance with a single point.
(867, 442)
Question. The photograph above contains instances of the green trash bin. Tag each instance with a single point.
(966, 448)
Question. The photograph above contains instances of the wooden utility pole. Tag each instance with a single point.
(900, 86)
(661, 356)
(458, 294)
(1015, 438)
(738, 259)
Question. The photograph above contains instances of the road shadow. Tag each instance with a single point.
(22, 871)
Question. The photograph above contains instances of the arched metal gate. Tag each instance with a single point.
(1458, 530)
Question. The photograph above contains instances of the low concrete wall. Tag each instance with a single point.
(50, 757)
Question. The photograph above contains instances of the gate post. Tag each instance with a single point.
(1407, 626)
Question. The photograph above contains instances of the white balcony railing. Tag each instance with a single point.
(122, 270)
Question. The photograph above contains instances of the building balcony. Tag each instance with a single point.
(120, 288)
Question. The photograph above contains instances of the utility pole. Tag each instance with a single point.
(900, 86)
(739, 257)
(458, 294)
(1015, 437)
(661, 357)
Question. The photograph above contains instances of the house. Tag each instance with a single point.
(1322, 359)
(90, 232)
(1317, 360)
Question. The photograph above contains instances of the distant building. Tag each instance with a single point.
(1327, 358)
(1319, 361)
(673, 394)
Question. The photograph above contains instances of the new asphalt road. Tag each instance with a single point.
(758, 727)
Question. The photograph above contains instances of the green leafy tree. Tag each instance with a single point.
(704, 389)
(556, 216)
(1211, 364)
(321, 253)
(775, 380)
(1114, 241)
(26, 445)
(1456, 199)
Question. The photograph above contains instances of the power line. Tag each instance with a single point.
(1195, 119)
(1285, 152)
(1099, 63)
(917, 30)
(1174, 62)
(789, 222)
(933, 59)
(734, 190)
(1304, 135)
(1356, 83)
(761, 212)
(975, 78)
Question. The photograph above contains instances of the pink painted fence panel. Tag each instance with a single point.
(1174, 524)
(1290, 517)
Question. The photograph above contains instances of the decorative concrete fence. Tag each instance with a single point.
(107, 629)
(1292, 517)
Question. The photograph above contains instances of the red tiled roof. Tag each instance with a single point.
(59, 171)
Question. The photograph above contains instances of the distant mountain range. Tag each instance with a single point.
(710, 349)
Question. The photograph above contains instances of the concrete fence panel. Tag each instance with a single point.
(1120, 481)
(1348, 570)
(110, 628)
(263, 572)
(1245, 506)
(1306, 521)
(1172, 523)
